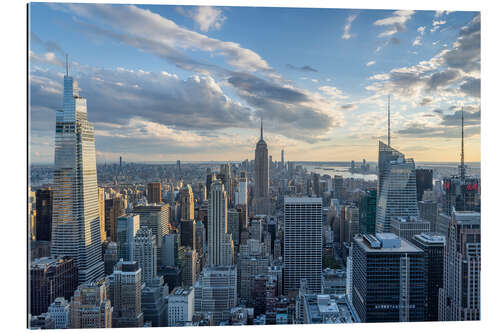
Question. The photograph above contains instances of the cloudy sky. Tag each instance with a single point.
(178, 82)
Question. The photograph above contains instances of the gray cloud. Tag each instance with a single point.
(417, 130)
(443, 78)
(349, 106)
(471, 87)
(49, 46)
(455, 119)
(466, 54)
(305, 68)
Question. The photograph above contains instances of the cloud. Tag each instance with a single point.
(443, 78)
(153, 33)
(425, 101)
(347, 26)
(305, 68)
(471, 87)
(395, 23)
(48, 58)
(332, 92)
(471, 117)
(421, 30)
(370, 63)
(440, 13)
(350, 107)
(206, 17)
(49, 46)
(417, 41)
(436, 25)
(466, 52)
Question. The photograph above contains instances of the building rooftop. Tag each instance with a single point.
(431, 238)
(303, 200)
(393, 244)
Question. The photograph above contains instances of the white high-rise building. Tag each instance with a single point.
(145, 254)
(241, 195)
(180, 306)
(216, 292)
(59, 312)
(220, 243)
(303, 243)
(75, 214)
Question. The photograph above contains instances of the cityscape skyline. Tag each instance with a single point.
(312, 110)
(261, 241)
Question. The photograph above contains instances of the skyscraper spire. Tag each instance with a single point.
(462, 162)
(389, 120)
(261, 132)
(67, 65)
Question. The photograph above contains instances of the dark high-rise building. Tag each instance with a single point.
(461, 194)
(368, 211)
(51, 278)
(316, 187)
(429, 211)
(460, 297)
(261, 197)
(188, 224)
(338, 188)
(433, 246)
(154, 193)
(154, 306)
(110, 258)
(303, 243)
(113, 208)
(388, 279)
(43, 214)
(424, 181)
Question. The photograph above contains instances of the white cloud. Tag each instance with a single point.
(436, 25)
(421, 30)
(332, 92)
(206, 17)
(347, 27)
(417, 41)
(370, 63)
(395, 23)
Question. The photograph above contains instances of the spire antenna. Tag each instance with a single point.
(462, 162)
(389, 120)
(261, 131)
(67, 65)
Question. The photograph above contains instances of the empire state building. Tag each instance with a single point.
(261, 198)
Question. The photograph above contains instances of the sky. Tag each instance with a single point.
(166, 83)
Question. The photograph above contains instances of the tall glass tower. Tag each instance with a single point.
(397, 195)
(75, 215)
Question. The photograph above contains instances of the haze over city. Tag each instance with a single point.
(191, 83)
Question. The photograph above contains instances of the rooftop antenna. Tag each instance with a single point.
(389, 120)
(67, 65)
(261, 132)
(462, 163)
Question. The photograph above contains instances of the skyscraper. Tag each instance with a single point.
(388, 279)
(113, 208)
(303, 243)
(127, 227)
(188, 224)
(368, 211)
(460, 297)
(102, 214)
(90, 307)
(51, 278)
(145, 254)
(43, 204)
(215, 292)
(125, 295)
(75, 216)
(433, 246)
(424, 181)
(220, 243)
(261, 197)
(397, 186)
(154, 192)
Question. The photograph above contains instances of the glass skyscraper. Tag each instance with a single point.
(75, 221)
(397, 194)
